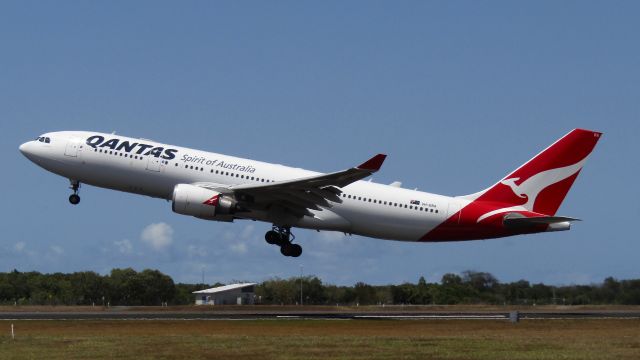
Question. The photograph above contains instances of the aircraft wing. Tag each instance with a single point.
(298, 196)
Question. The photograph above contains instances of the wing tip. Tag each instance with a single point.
(374, 163)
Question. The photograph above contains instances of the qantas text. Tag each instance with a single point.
(99, 141)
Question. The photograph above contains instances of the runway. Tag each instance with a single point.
(123, 314)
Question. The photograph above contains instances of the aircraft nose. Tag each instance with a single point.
(24, 148)
(29, 150)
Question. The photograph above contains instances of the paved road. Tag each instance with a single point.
(242, 315)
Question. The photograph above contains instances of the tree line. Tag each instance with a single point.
(151, 287)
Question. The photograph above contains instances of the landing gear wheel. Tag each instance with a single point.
(283, 237)
(273, 237)
(285, 250)
(295, 250)
(74, 199)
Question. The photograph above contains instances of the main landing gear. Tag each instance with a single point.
(283, 237)
(74, 198)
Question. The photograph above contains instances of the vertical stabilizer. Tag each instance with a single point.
(541, 184)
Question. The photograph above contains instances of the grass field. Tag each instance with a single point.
(322, 339)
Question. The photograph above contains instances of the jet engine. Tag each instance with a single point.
(202, 203)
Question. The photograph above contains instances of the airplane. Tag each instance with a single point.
(218, 187)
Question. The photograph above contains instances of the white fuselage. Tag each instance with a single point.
(367, 208)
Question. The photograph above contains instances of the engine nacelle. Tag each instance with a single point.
(202, 203)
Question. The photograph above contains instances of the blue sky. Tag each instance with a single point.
(456, 93)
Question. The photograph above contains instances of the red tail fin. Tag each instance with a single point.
(541, 184)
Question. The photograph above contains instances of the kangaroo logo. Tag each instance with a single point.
(213, 201)
(514, 187)
(531, 187)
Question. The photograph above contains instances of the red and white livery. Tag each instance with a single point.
(224, 188)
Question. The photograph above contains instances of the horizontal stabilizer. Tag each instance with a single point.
(521, 222)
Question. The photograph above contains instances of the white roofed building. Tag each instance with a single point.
(233, 294)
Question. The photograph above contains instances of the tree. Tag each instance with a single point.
(365, 294)
(88, 287)
(313, 290)
(422, 292)
(279, 291)
(451, 279)
(479, 281)
(155, 287)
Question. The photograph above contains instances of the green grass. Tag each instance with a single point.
(322, 339)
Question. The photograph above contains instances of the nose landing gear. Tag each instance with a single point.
(283, 237)
(74, 198)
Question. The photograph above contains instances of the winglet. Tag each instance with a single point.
(373, 164)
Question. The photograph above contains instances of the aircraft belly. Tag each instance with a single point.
(128, 177)
(325, 220)
(388, 225)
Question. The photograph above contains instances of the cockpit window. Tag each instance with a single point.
(43, 139)
(47, 140)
